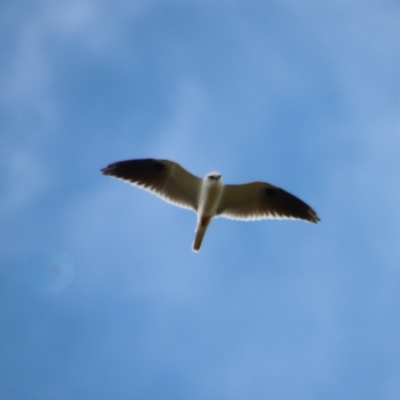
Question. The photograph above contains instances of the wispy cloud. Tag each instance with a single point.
(302, 93)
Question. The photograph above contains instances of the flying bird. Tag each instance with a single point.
(210, 197)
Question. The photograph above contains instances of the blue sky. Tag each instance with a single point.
(101, 295)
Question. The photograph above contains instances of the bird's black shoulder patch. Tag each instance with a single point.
(158, 166)
(271, 192)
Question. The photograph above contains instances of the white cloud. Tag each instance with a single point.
(28, 75)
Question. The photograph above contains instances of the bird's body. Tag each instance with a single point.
(209, 197)
(209, 200)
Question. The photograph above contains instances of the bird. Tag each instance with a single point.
(210, 197)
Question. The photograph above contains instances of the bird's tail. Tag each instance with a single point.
(200, 232)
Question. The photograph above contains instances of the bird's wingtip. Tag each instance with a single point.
(313, 217)
(107, 170)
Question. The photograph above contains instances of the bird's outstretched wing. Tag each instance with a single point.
(259, 200)
(164, 178)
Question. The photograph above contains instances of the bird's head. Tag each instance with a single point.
(213, 178)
